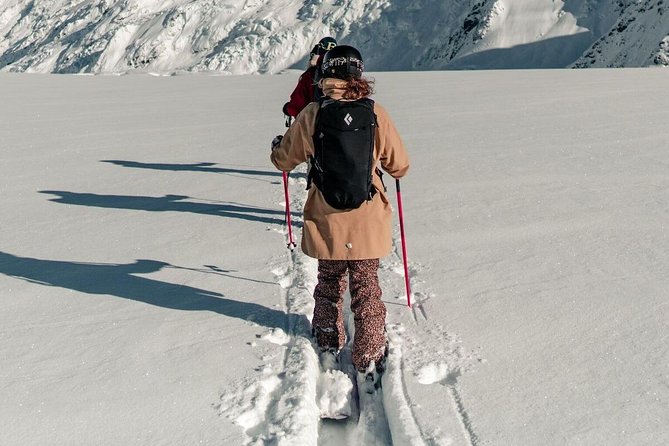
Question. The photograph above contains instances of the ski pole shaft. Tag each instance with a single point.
(404, 246)
(291, 243)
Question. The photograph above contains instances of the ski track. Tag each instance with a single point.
(369, 426)
(411, 432)
(276, 404)
(372, 428)
(301, 365)
(342, 432)
(463, 417)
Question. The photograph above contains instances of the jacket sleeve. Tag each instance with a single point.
(297, 144)
(301, 96)
(393, 155)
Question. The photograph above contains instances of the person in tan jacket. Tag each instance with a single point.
(347, 240)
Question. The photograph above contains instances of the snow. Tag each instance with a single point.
(334, 397)
(260, 37)
(148, 296)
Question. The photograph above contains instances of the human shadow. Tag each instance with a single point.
(173, 203)
(196, 167)
(202, 167)
(213, 269)
(122, 280)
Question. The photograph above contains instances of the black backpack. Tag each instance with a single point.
(342, 164)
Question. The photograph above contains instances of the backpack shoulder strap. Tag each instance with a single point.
(323, 101)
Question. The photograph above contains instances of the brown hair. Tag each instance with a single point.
(358, 87)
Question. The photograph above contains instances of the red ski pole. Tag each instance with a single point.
(404, 246)
(291, 243)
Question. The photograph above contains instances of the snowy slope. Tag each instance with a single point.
(252, 36)
(147, 296)
(640, 37)
(527, 34)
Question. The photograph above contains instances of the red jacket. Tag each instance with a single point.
(303, 93)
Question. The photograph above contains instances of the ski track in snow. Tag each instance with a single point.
(426, 370)
(276, 403)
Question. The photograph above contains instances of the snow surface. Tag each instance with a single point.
(147, 295)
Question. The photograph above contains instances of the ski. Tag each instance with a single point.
(372, 427)
(336, 395)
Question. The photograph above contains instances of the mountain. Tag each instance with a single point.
(267, 36)
(639, 37)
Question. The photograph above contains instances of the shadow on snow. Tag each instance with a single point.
(200, 167)
(174, 203)
(120, 280)
(197, 167)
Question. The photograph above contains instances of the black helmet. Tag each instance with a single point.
(326, 44)
(343, 62)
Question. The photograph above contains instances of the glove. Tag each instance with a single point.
(276, 141)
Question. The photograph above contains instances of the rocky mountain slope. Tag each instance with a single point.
(267, 36)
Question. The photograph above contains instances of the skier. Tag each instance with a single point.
(307, 89)
(344, 234)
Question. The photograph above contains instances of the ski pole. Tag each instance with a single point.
(404, 246)
(291, 243)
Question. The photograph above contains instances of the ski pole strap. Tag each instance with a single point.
(380, 174)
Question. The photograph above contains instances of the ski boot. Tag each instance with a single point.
(370, 379)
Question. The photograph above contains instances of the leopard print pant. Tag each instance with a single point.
(369, 311)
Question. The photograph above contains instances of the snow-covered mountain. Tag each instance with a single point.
(267, 36)
(639, 37)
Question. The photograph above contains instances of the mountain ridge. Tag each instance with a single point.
(268, 36)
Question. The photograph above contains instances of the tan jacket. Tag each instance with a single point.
(333, 234)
